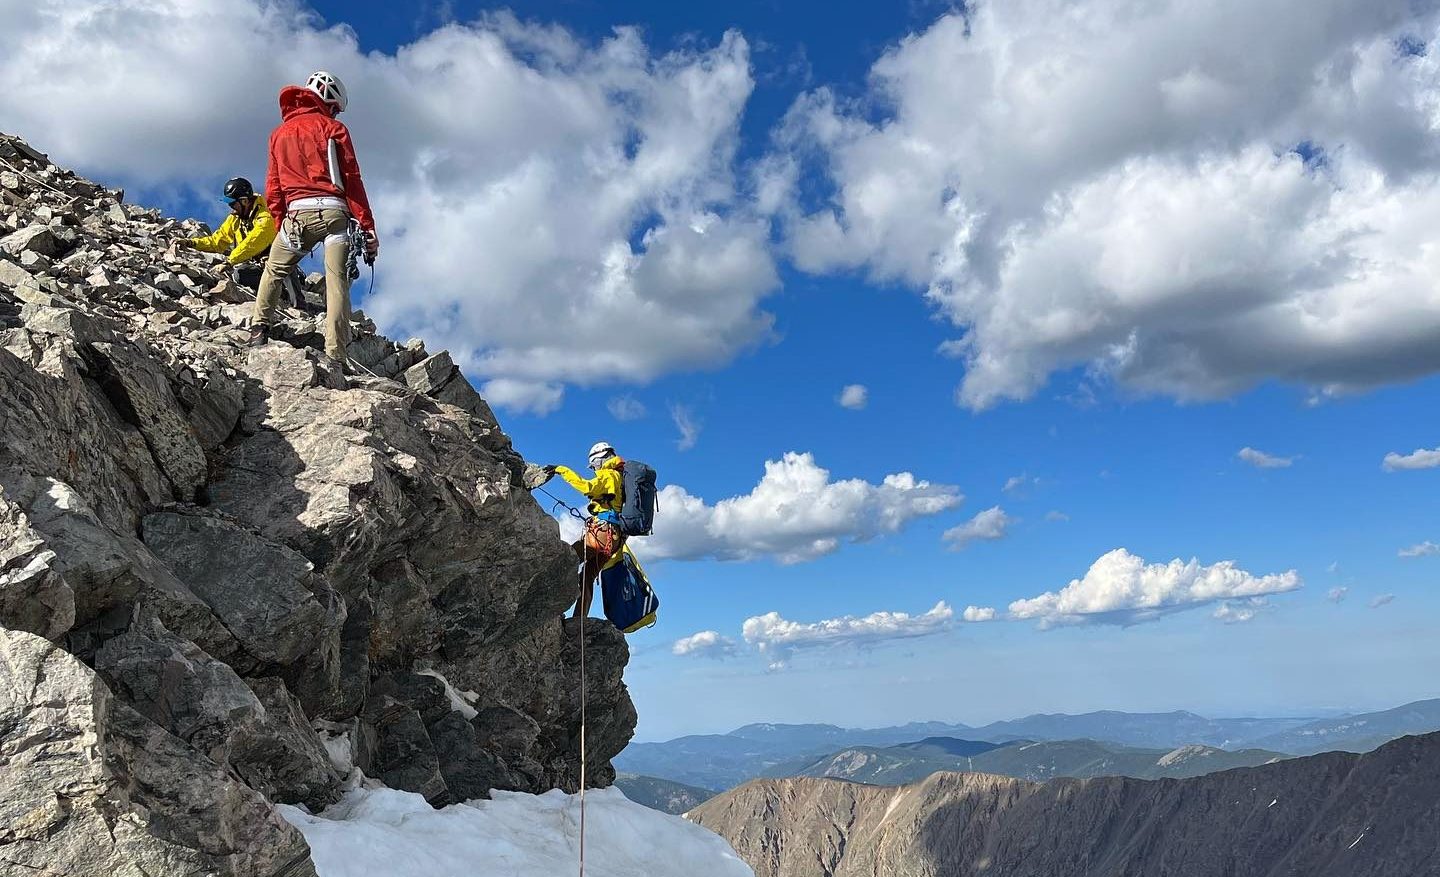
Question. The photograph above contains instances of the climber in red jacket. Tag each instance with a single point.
(314, 184)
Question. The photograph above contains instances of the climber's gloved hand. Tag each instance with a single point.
(372, 247)
(184, 244)
(536, 476)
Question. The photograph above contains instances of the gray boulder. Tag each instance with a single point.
(88, 786)
(34, 596)
(398, 751)
(40, 239)
(259, 730)
(286, 618)
(140, 390)
(263, 592)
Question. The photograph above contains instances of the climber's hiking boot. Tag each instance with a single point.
(259, 336)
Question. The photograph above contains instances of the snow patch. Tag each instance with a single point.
(461, 702)
(397, 834)
(339, 744)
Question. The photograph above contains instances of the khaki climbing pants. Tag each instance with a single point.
(299, 231)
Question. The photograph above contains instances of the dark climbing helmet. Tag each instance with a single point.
(238, 189)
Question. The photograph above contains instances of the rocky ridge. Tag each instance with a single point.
(1330, 815)
(228, 575)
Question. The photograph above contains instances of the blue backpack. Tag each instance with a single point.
(630, 602)
(637, 512)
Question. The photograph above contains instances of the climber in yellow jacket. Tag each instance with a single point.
(603, 543)
(244, 237)
(246, 233)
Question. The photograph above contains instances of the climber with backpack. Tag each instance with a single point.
(244, 236)
(621, 504)
(314, 184)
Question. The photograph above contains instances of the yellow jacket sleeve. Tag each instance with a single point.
(222, 241)
(584, 485)
(604, 489)
(262, 233)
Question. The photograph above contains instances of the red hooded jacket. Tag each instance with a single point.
(300, 157)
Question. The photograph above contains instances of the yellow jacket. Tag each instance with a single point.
(606, 491)
(243, 238)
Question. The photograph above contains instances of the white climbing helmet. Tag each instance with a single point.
(599, 453)
(329, 87)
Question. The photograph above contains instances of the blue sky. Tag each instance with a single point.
(1148, 277)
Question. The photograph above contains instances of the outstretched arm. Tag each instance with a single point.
(220, 241)
(572, 478)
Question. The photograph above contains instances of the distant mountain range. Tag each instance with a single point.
(912, 762)
(722, 761)
(1359, 733)
(1158, 730)
(662, 795)
(1331, 815)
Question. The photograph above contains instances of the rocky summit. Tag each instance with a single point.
(1330, 815)
(228, 575)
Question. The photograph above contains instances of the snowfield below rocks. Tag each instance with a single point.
(396, 834)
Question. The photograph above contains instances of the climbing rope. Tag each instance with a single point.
(579, 605)
(562, 504)
(584, 568)
(38, 182)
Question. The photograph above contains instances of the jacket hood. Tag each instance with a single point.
(614, 462)
(295, 100)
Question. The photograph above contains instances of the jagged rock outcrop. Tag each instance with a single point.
(1331, 815)
(209, 552)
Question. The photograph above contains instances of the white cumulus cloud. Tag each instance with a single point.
(533, 188)
(1240, 611)
(687, 425)
(854, 397)
(1422, 549)
(778, 638)
(1421, 458)
(705, 644)
(625, 408)
(795, 513)
(1019, 482)
(1336, 594)
(987, 526)
(1262, 460)
(1182, 197)
(1121, 588)
(977, 614)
